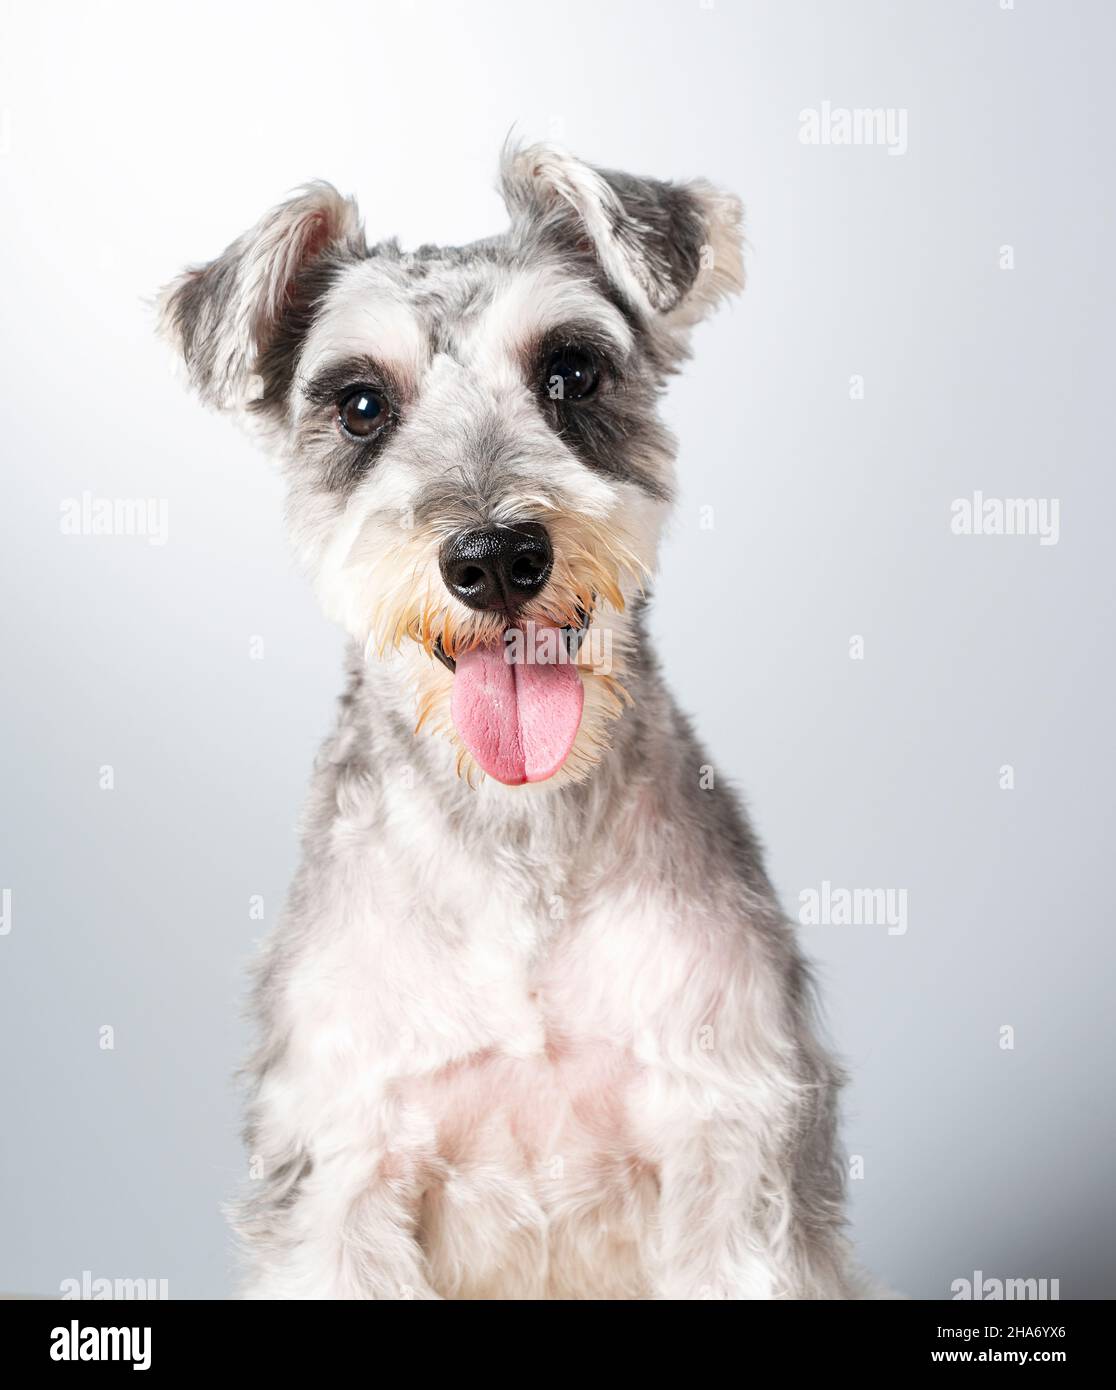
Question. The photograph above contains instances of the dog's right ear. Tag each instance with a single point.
(224, 316)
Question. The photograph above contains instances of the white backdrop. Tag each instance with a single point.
(889, 357)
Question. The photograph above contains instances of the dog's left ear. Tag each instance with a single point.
(673, 250)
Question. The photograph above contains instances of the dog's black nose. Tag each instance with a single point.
(499, 567)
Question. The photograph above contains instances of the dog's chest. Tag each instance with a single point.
(537, 1111)
(499, 1046)
(537, 1176)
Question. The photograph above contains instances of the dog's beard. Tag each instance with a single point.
(575, 622)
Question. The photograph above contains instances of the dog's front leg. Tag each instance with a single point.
(739, 1121)
(352, 1232)
(716, 1226)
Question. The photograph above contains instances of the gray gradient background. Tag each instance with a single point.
(137, 138)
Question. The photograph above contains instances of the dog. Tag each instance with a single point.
(533, 1025)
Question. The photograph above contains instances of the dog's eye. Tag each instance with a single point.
(362, 412)
(571, 375)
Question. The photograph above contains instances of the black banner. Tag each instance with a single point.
(163, 1339)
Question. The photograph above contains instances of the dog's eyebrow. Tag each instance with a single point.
(607, 332)
(539, 302)
(361, 324)
(327, 383)
(590, 333)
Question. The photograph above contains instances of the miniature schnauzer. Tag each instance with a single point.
(534, 1025)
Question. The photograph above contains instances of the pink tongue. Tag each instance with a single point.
(518, 720)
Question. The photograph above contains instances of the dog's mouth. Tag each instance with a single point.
(517, 701)
(572, 635)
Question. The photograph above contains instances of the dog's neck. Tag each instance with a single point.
(405, 786)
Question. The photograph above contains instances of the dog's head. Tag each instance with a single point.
(477, 473)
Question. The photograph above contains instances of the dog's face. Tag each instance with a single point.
(477, 472)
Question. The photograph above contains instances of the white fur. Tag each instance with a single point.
(536, 1042)
(436, 991)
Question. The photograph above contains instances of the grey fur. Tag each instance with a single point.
(635, 255)
(706, 843)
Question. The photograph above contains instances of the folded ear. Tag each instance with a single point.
(225, 316)
(672, 250)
